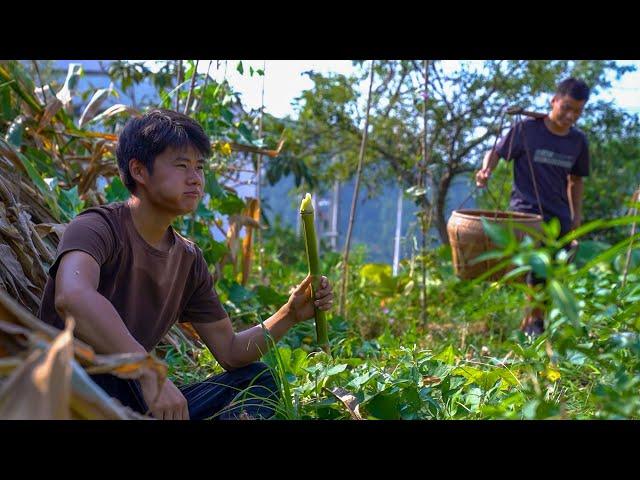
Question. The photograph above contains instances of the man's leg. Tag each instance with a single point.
(253, 385)
(127, 392)
(533, 322)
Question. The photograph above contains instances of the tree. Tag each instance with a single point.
(614, 149)
(615, 167)
(464, 105)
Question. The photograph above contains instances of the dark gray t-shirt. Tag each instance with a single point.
(553, 158)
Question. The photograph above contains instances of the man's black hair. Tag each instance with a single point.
(146, 137)
(575, 88)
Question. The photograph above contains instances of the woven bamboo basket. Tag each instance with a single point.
(469, 240)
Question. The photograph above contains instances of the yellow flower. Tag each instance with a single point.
(226, 149)
(552, 374)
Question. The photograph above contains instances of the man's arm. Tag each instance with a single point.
(97, 321)
(488, 165)
(575, 189)
(235, 350)
(99, 324)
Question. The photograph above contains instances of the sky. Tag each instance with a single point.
(284, 81)
(626, 92)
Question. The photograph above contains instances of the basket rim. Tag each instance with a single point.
(477, 213)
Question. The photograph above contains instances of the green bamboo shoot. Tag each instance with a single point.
(311, 244)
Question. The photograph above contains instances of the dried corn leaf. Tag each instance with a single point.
(10, 155)
(94, 104)
(86, 134)
(90, 402)
(9, 263)
(66, 92)
(11, 311)
(53, 106)
(6, 195)
(127, 365)
(45, 229)
(6, 228)
(115, 110)
(348, 400)
(187, 329)
(237, 147)
(87, 400)
(43, 250)
(8, 365)
(40, 388)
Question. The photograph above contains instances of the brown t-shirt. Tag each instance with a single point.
(150, 289)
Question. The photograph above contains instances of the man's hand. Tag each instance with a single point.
(302, 303)
(482, 177)
(573, 246)
(575, 223)
(169, 403)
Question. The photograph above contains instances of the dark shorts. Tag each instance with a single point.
(250, 390)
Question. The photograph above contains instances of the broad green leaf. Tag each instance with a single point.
(499, 234)
(237, 293)
(384, 406)
(552, 228)
(588, 250)
(564, 300)
(215, 251)
(446, 356)
(336, 369)
(116, 191)
(40, 183)
(362, 379)
(229, 205)
(227, 114)
(245, 132)
(70, 201)
(269, 296)
(15, 132)
(213, 188)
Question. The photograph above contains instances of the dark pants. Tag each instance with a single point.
(215, 398)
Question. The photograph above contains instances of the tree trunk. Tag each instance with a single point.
(354, 201)
(441, 221)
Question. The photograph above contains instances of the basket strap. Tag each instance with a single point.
(473, 190)
(533, 176)
(514, 124)
(505, 111)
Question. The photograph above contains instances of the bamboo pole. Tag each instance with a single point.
(345, 258)
(193, 83)
(307, 215)
(634, 212)
(423, 223)
(259, 178)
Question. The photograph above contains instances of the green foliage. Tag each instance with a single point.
(469, 361)
(614, 147)
(463, 104)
